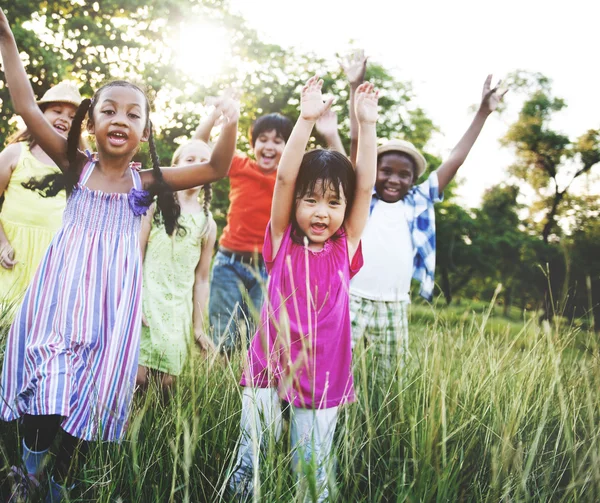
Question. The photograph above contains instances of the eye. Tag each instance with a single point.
(310, 200)
(335, 202)
(190, 160)
(134, 116)
(107, 111)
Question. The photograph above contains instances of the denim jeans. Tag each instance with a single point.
(236, 297)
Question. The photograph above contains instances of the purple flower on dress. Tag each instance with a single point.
(139, 201)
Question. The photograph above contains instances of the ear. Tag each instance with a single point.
(145, 134)
(90, 127)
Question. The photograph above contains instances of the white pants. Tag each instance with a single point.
(311, 441)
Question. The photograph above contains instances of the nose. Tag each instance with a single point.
(321, 211)
(118, 120)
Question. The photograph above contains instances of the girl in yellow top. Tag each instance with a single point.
(28, 220)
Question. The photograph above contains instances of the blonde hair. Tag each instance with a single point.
(206, 189)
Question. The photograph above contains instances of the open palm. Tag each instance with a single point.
(312, 105)
(491, 98)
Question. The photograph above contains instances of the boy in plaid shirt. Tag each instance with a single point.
(399, 240)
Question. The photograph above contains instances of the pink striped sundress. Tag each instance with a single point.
(73, 347)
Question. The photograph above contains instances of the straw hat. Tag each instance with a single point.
(65, 92)
(408, 148)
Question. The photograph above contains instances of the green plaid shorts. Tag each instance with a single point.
(380, 326)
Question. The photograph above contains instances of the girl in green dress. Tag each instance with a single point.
(176, 278)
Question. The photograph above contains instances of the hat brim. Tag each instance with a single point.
(70, 102)
(420, 161)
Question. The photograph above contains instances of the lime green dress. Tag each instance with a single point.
(29, 222)
(168, 292)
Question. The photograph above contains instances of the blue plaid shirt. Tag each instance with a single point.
(421, 223)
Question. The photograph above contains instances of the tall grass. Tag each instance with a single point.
(483, 410)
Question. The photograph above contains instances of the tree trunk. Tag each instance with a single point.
(446, 289)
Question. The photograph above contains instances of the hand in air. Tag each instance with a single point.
(7, 256)
(491, 98)
(365, 103)
(355, 67)
(227, 106)
(327, 124)
(312, 105)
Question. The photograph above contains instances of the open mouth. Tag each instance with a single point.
(60, 128)
(268, 157)
(318, 228)
(117, 137)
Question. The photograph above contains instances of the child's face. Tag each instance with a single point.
(119, 120)
(395, 175)
(193, 152)
(319, 215)
(60, 116)
(268, 148)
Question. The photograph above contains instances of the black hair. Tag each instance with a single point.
(334, 170)
(167, 205)
(404, 155)
(277, 122)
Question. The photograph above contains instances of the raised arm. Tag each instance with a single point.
(366, 164)
(21, 93)
(206, 125)
(327, 127)
(312, 107)
(201, 287)
(489, 102)
(355, 67)
(217, 167)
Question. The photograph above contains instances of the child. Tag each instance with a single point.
(399, 240)
(71, 355)
(302, 353)
(239, 274)
(175, 284)
(28, 221)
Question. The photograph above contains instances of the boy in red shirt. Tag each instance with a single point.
(239, 272)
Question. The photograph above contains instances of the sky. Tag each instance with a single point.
(446, 49)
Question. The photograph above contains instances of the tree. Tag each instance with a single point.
(545, 157)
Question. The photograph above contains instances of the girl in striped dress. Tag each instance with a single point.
(71, 355)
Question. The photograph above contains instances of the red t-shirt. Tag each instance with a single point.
(250, 198)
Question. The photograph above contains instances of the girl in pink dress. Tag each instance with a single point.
(302, 350)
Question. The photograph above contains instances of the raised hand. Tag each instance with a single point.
(227, 106)
(312, 105)
(366, 103)
(491, 98)
(355, 67)
(327, 124)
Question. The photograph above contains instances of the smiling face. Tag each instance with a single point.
(395, 176)
(120, 118)
(60, 116)
(320, 212)
(268, 148)
(192, 152)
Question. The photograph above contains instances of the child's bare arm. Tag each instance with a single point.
(327, 127)
(201, 288)
(145, 229)
(8, 161)
(206, 125)
(51, 142)
(489, 102)
(217, 167)
(312, 107)
(355, 67)
(366, 164)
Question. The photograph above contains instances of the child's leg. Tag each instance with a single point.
(72, 453)
(141, 379)
(225, 301)
(38, 434)
(390, 335)
(261, 416)
(312, 441)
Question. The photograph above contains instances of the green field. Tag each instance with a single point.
(485, 409)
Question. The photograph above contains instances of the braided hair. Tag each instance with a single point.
(167, 205)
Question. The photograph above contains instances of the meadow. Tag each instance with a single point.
(485, 409)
